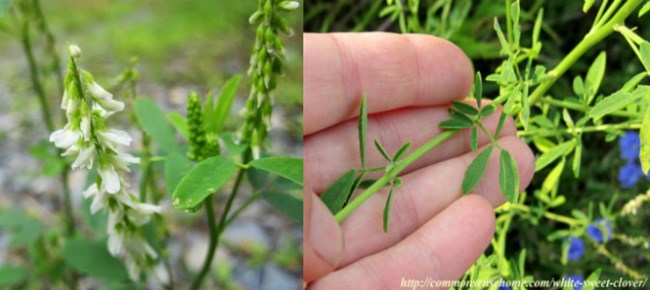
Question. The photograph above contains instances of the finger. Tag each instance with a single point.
(443, 249)
(423, 194)
(323, 244)
(329, 153)
(395, 71)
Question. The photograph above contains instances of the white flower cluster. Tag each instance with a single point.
(87, 137)
(632, 206)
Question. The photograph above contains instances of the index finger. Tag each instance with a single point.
(393, 70)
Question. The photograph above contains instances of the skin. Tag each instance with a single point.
(434, 231)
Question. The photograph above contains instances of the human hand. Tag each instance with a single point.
(434, 232)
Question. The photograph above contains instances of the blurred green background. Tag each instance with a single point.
(180, 46)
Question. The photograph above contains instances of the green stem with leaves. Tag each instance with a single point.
(571, 131)
(392, 173)
(549, 215)
(585, 44)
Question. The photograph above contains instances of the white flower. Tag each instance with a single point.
(113, 137)
(115, 242)
(110, 179)
(72, 150)
(64, 138)
(85, 127)
(104, 98)
(86, 157)
(161, 273)
(289, 5)
(74, 51)
(142, 212)
(121, 161)
(65, 100)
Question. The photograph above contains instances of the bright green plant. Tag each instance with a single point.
(556, 125)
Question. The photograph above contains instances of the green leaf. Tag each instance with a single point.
(176, 167)
(180, 123)
(336, 194)
(464, 108)
(473, 139)
(285, 203)
(224, 103)
(475, 170)
(401, 151)
(155, 124)
(644, 133)
(288, 167)
(478, 88)
(25, 229)
(204, 179)
(538, 26)
(553, 154)
(578, 86)
(505, 47)
(382, 150)
(11, 275)
(644, 50)
(595, 74)
(644, 9)
(577, 156)
(92, 258)
(593, 277)
(389, 201)
(552, 180)
(617, 101)
(363, 129)
(488, 110)
(234, 149)
(455, 124)
(508, 176)
(587, 5)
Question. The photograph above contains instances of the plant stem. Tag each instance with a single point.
(569, 131)
(392, 173)
(581, 108)
(549, 215)
(51, 43)
(245, 205)
(215, 231)
(585, 44)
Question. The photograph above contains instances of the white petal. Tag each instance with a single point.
(64, 138)
(85, 127)
(92, 190)
(74, 51)
(85, 158)
(98, 203)
(65, 100)
(72, 150)
(149, 250)
(162, 274)
(115, 243)
(110, 179)
(133, 268)
(147, 209)
(114, 137)
(98, 92)
(111, 105)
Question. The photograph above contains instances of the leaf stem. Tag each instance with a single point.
(581, 108)
(570, 131)
(549, 215)
(585, 44)
(392, 173)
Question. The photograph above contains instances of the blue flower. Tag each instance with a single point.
(577, 280)
(576, 249)
(595, 230)
(504, 286)
(629, 174)
(630, 144)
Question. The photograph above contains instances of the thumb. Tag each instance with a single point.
(323, 238)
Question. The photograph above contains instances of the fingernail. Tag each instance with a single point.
(325, 233)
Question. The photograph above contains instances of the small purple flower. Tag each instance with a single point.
(577, 281)
(629, 174)
(576, 249)
(595, 230)
(630, 144)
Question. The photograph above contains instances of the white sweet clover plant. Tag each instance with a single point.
(86, 136)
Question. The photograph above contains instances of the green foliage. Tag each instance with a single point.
(222, 109)
(336, 195)
(92, 258)
(25, 229)
(180, 124)
(204, 179)
(288, 167)
(12, 275)
(176, 167)
(155, 124)
(203, 138)
(363, 129)
(508, 176)
(475, 171)
(289, 205)
(46, 153)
